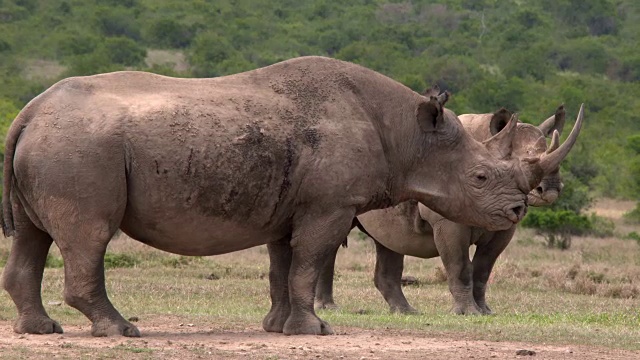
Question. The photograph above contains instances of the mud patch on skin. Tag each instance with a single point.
(312, 137)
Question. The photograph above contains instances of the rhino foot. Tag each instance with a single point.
(110, 328)
(37, 325)
(273, 322)
(467, 310)
(326, 305)
(485, 310)
(311, 325)
(406, 310)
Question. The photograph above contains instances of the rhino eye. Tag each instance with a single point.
(481, 177)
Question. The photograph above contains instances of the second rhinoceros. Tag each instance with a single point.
(414, 229)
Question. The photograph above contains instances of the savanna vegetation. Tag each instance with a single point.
(584, 296)
(528, 56)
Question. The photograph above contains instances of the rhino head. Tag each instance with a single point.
(478, 184)
(541, 163)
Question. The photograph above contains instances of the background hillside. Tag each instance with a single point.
(529, 56)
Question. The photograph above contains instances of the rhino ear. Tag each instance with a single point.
(444, 97)
(434, 91)
(556, 122)
(429, 115)
(499, 120)
(501, 144)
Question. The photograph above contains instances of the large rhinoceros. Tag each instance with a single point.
(285, 155)
(411, 228)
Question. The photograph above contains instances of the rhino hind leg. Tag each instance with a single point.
(84, 280)
(324, 288)
(387, 279)
(316, 235)
(22, 275)
(280, 262)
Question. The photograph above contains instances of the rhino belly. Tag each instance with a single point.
(190, 233)
(396, 231)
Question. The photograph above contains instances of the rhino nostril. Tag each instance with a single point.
(539, 190)
(518, 211)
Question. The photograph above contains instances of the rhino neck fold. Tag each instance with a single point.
(392, 109)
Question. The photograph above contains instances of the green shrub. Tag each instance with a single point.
(53, 262)
(170, 34)
(112, 260)
(633, 236)
(633, 216)
(124, 51)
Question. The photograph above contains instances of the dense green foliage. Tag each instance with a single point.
(529, 56)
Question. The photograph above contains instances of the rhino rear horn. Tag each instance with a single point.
(551, 161)
(502, 142)
(555, 142)
(555, 122)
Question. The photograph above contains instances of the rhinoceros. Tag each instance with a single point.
(414, 229)
(286, 155)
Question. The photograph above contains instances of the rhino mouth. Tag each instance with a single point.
(516, 211)
(535, 198)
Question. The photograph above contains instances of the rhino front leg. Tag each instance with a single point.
(279, 265)
(22, 275)
(324, 288)
(387, 278)
(316, 235)
(453, 241)
(483, 261)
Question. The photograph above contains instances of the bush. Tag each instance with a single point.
(124, 51)
(633, 216)
(633, 236)
(53, 262)
(119, 261)
(169, 33)
(563, 219)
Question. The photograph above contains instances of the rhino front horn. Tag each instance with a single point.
(551, 160)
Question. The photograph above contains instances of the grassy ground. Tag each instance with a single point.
(585, 295)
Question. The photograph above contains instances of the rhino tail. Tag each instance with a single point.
(6, 216)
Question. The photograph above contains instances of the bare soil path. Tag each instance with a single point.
(191, 341)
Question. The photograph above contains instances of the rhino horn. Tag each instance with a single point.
(501, 143)
(551, 161)
(555, 122)
(555, 142)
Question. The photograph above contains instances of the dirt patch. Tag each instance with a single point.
(193, 341)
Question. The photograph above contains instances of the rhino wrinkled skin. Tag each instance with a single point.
(285, 155)
(414, 229)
